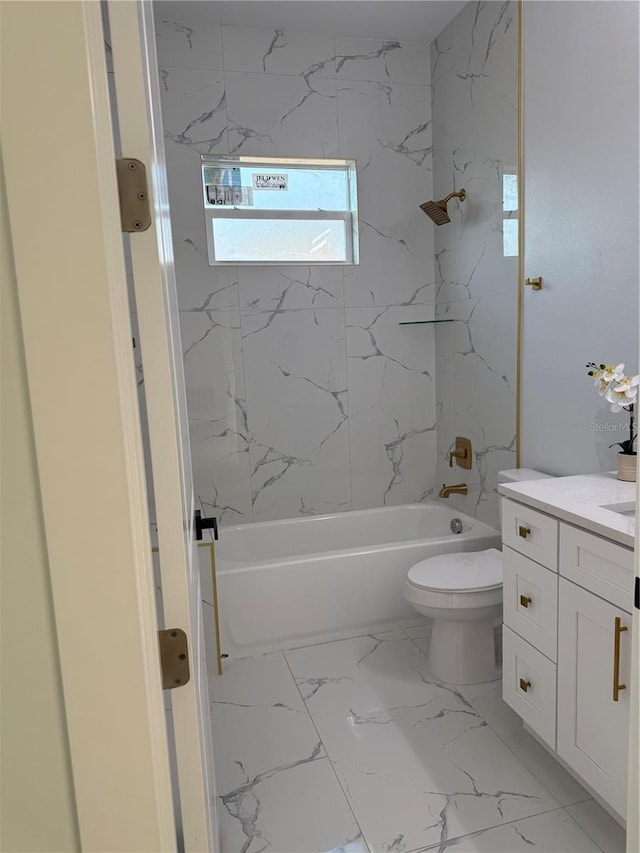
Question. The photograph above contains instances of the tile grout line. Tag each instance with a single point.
(477, 833)
(313, 723)
(520, 761)
(581, 827)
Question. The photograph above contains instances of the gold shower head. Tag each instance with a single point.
(437, 210)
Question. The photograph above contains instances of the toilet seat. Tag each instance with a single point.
(462, 572)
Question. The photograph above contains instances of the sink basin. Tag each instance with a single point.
(627, 509)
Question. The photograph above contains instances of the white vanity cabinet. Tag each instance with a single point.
(566, 643)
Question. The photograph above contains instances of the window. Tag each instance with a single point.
(272, 210)
(510, 209)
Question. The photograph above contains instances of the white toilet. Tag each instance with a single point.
(462, 593)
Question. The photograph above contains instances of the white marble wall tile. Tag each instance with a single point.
(295, 368)
(386, 128)
(184, 42)
(381, 61)
(441, 54)
(216, 401)
(392, 406)
(278, 52)
(281, 115)
(474, 65)
(279, 288)
(194, 108)
(478, 36)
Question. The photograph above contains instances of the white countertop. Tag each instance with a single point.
(580, 500)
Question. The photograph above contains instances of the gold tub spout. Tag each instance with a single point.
(459, 489)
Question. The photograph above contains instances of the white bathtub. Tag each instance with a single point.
(299, 581)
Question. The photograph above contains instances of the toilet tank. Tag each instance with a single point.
(519, 475)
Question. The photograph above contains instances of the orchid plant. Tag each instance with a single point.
(621, 392)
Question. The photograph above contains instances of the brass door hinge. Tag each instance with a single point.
(135, 212)
(174, 658)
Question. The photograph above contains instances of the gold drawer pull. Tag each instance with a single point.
(524, 685)
(525, 601)
(617, 630)
(523, 531)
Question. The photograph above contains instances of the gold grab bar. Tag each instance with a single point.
(617, 687)
(216, 615)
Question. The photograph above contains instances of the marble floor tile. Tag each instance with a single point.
(545, 833)
(258, 721)
(289, 809)
(427, 773)
(362, 675)
(352, 747)
(487, 701)
(600, 826)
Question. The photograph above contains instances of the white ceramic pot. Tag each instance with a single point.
(627, 466)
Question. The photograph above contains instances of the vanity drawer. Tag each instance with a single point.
(530, 532)
(598, 565)
(530, 601)
(529, 685)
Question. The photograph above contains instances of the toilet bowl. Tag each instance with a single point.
(462, 593)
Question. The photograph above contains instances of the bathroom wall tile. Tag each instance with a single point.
(381, 61)
(276, 288)
(183, 42)
(474, 143)
(386, 129)
(194, 108)
(295, 369)
(391, 403)
(216, 402)
(281, 115)
(278, 52)
(441, 54)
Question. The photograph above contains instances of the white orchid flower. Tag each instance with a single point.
(613, 374)
(623, 393)
(605, 375)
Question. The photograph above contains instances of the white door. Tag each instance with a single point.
(593, 718)
(139, 121)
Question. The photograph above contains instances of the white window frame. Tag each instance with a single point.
(349, 217)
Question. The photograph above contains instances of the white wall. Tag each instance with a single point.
(304, 394)
(36, 786)
(474, 81)
(581, 230)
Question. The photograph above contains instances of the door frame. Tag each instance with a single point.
(76, 327)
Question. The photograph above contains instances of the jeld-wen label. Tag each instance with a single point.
(270, 182)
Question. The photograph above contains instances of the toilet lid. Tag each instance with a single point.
(460, 572)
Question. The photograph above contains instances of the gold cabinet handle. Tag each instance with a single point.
(524, 685)
(617, 630)
(525, 601)
(534, 283)
(523, 531)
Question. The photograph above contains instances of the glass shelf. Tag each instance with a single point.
(424, 322)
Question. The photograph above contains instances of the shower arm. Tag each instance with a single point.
(461, 195)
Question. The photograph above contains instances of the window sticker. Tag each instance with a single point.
(224, 177)
(233, 195)
(270, 182)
